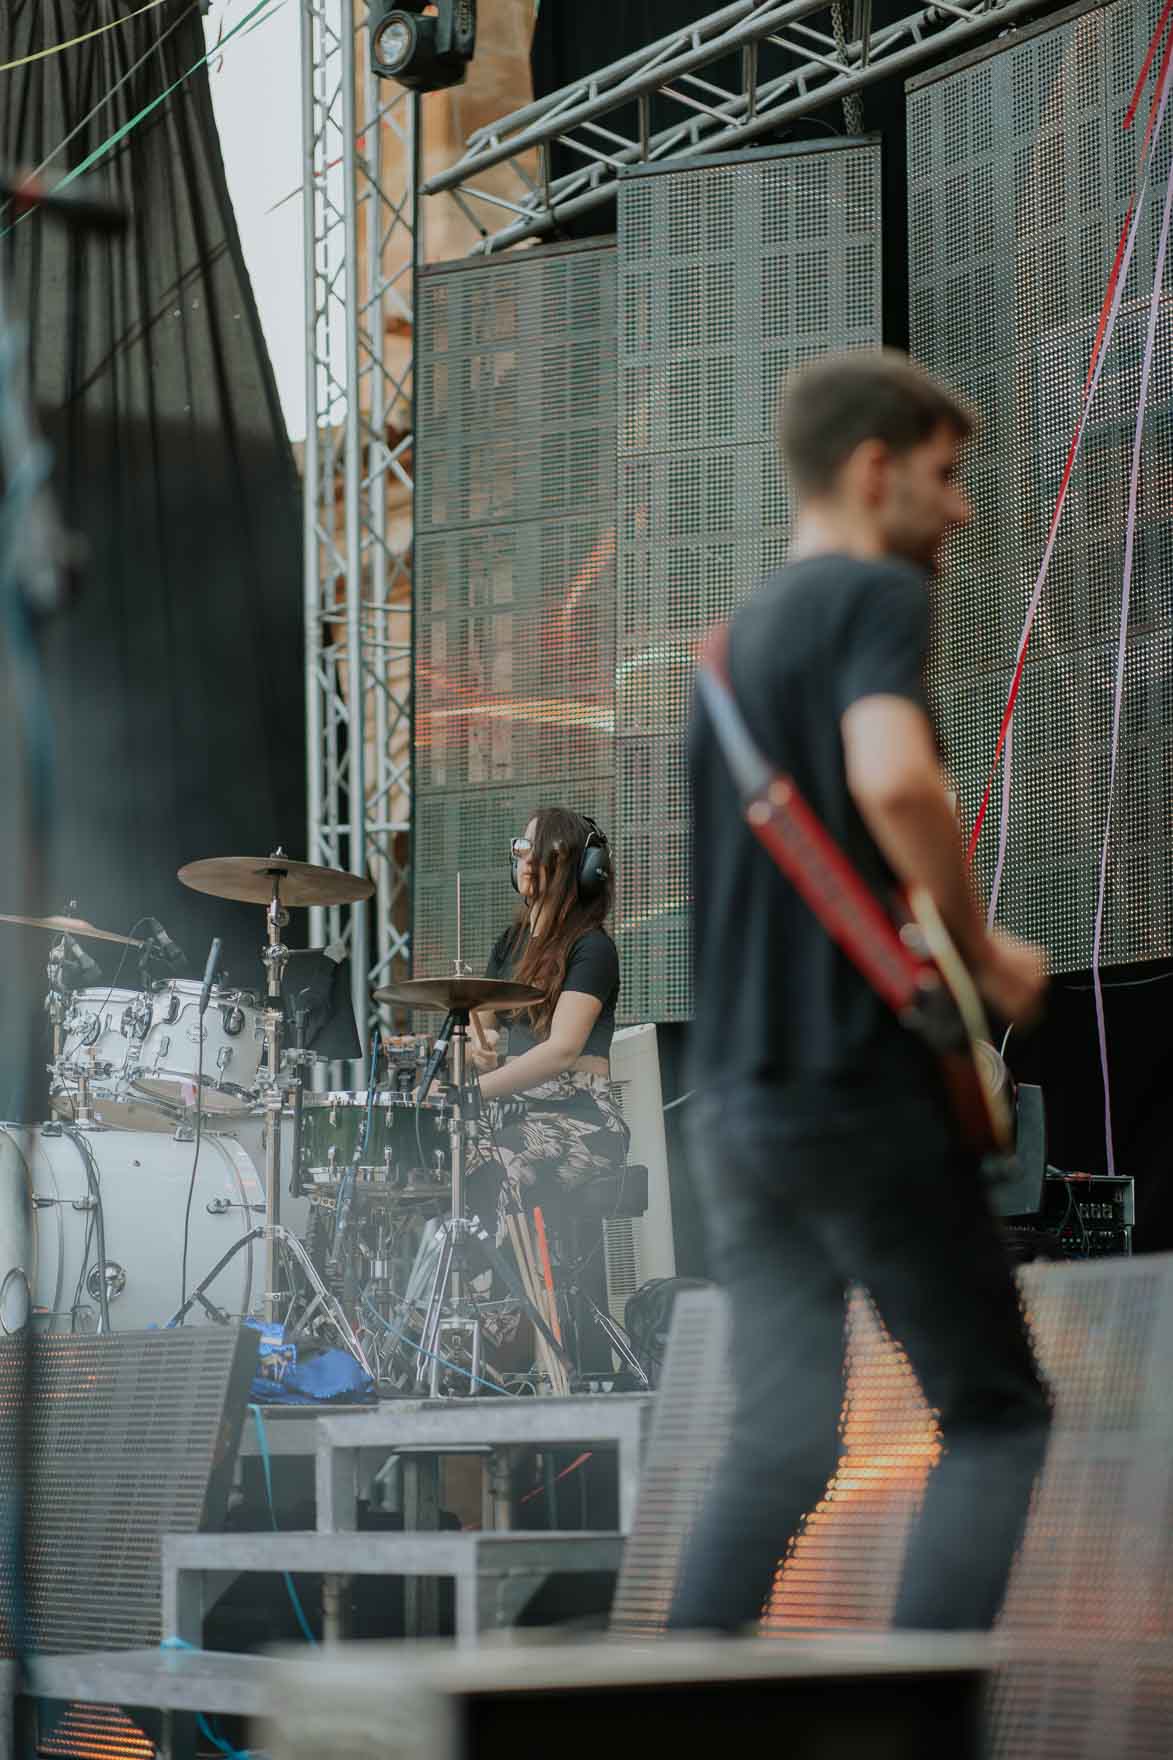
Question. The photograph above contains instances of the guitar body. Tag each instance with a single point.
(959, 1032)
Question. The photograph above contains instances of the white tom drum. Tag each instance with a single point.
(48, 1233)
(142, 1052)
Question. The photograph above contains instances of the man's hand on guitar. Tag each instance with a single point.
(1012, 977)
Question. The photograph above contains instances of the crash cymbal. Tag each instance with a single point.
(72, 926)
(250, 879)
(450, 993)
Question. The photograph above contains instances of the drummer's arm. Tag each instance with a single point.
(574, 1016)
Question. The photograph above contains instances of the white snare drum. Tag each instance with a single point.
(143, 1181)
(143, 1049)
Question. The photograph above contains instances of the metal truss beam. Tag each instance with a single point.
(359, 153)
(828, 65)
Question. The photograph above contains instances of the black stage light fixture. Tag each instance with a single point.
(423, 50)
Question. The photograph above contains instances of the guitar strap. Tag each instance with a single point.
(787, 826)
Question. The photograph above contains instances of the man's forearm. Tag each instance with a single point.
(918, 834)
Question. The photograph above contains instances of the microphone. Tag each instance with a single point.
(439, 1053)
(77, 203)
(77, 967)
(209, 975)
(169, 951)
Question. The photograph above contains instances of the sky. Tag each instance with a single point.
(256, 92)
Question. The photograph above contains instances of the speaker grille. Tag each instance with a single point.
(1019, 175)
(514, 572)
(130, 1436)
(731, 272)
(1089, 1603)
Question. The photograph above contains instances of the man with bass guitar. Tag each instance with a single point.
(824, 1137)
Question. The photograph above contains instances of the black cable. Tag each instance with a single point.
(1118, 984)
(87, 1245)
(195, 1161)
(93, 1181)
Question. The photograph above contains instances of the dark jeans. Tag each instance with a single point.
(795, 1214)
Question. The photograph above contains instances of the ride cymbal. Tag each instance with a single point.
(72, 926)
(249, 879)
(450, 993)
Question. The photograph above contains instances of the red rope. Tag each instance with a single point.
(1097, 346)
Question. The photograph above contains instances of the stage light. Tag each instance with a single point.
(424, 50)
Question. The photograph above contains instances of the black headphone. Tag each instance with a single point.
(594, 864)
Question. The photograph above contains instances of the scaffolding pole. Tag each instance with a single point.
(358, 192)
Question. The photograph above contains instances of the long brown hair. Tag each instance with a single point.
(560, 838)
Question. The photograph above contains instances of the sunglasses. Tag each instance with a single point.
(520, 846)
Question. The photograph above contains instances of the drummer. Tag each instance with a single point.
(554, 1055)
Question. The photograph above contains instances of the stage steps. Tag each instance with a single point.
(495, 1574)
(438, 1426)
(495, 1571)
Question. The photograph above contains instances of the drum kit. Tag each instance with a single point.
(186, 1130)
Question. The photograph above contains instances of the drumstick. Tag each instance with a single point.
(523, 1254)
(558, 1380)
(547, 1273)
(479, 1031)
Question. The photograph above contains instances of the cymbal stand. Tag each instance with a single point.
(56, 1003)
(274, 956)
(448, 1309)
(66, 969)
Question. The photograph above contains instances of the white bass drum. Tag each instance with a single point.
(143, 1181)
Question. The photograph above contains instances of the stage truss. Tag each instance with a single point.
(359, 139)
(834, 54)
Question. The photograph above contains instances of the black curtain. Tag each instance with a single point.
(175, 673)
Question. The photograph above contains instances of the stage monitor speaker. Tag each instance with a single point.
(130, 1436)
(1088, 1617)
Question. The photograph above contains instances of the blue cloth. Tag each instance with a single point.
(292, 1376)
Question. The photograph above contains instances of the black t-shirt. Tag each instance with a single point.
(592, 969)
(775, 999)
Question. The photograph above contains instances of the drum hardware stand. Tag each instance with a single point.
(66, 963)
(274, 956)
(298, 1058)
(277, 882)
(275, 1235)
(607, 1325)
(458, 1231)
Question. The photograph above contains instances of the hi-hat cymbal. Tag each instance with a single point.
(250, 879)
(450, 993)
(72, 926)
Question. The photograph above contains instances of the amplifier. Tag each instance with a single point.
(1088, 1215)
